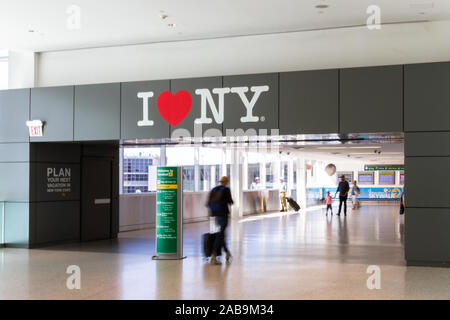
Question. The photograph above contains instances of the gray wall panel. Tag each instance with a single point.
(191, 85)
(14, 112)
(427, 235)
(54, 106)
(309, 102)
(132, 110)
(427, 182)
(57, 221)
(17, 223)
(371, 99)
(97, 112)
(14, 184)
(427, 144)
(427, 97)
(266, 107)
(14, 152)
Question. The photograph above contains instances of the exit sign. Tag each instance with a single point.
(35, 128)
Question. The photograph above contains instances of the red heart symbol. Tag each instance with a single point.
(174, 108)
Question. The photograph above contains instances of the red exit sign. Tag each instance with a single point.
(35, 128)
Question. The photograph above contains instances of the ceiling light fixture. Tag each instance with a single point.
(171, 25)
(321, 6)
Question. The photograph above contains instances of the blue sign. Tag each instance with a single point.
(313, 195)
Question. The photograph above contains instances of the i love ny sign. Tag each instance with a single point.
(175, 107)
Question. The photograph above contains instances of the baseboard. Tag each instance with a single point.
(434, 264)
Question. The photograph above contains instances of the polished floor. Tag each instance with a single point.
(276, 256)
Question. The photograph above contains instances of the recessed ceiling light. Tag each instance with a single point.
(321, 6)
(31, 31)
(163, 16)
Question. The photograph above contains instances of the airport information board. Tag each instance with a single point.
(168, 213)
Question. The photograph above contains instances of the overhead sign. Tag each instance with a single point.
(384, 167)
(175, 107)
(35, 128)
(169, 213)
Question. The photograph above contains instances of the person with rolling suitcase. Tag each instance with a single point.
(219, 200)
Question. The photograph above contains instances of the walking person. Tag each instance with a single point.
(343, 189)
(218, 202)
(283, 190)
(355, 193)
(329, 201)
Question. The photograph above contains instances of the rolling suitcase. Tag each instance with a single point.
(208, 244)
(293, 204)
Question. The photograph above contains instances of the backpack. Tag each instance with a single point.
(215, 202)
(357, 191)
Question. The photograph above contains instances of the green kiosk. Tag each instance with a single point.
(169, 213)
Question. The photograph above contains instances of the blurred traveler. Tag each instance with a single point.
(329, 201)
(283, 189)
(343, 189)
(219, 201)
(355, 192)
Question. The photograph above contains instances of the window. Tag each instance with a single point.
(253, 172)
(135, 168)
(269, 176)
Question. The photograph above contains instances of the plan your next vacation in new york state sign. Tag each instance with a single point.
(55, 182)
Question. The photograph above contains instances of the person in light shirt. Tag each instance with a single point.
(283, 189)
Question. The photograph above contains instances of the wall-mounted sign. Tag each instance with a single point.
(35, 128)
(395, 167)
(59, 180)
(169, 213)
(175, 107)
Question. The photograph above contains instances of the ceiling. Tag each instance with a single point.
(41, 25)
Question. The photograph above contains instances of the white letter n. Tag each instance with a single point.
(145, 96)
(206, 98)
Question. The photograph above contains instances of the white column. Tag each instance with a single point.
(276, 173)
(262, 172)
(196, 169)
(301, 183)
(236, 183)
(290, 175)
(22, 66)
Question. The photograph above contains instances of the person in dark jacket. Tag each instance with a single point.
(218, 202)
(343, 189)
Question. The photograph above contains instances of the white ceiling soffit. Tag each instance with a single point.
(46, 25)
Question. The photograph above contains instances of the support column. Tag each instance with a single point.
(301, 183)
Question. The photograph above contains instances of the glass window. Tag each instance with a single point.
(402, 178)
(269, 175)
(253, 172)
(135, 167)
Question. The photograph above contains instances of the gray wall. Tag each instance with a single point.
(412, 98)
(427, 163)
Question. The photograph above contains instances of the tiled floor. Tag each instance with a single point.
(293, 256)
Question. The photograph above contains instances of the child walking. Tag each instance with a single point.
(328, 201)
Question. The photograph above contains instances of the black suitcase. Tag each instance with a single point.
(208, 244)
(294, 205)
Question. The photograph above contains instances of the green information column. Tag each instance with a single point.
(169, 213)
